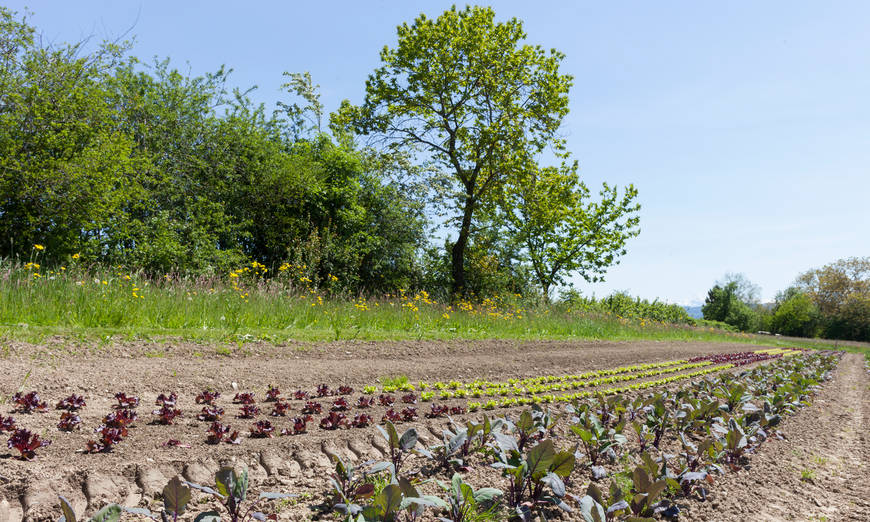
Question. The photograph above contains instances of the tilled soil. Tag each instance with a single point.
(819, 472)
(140, 466)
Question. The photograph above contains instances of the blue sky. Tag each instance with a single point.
(744, 125)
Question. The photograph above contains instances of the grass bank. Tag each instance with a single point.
(88, 303)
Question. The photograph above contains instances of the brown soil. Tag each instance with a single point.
(828, 441)
(140, 466)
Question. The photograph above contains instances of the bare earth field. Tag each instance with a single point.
(830, 438)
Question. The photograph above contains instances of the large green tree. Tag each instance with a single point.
(477, 101)
(549, 212)
(65, 166)
(841, 291)
(722, 304)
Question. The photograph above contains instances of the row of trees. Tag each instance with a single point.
(126, 162)
(832, 302)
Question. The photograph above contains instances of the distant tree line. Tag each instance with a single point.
(133, 163)
(831, 302)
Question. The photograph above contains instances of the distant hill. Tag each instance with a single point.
(694, 311)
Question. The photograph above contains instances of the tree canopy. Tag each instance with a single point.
(484, 106)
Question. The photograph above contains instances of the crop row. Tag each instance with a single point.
(530, 381)
(116, 424)
(671, 446)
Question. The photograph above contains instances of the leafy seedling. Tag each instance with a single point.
(231, 491)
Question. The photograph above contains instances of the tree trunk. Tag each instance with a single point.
(458, 250)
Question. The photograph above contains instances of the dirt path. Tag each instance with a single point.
(829, 442)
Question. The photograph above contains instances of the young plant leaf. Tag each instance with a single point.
(175, 496)
(69, 515)
(110, 513)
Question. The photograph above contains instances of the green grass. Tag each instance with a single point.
(106, 306)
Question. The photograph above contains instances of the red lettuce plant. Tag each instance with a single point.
(166, 414)
(272, 394)
(333, 421)
(207, 397)
(280, 408)
(68, 421)
(345, 390)
(409, 398)
(361, 420)
(409, 414)
(392, 416)
(163, 400)
(244, 398)
(364, 402)
(26, 443)
(126, 401)
(121, 418)
(262, 429)
(216, 433)
(323, 391)
(210, 413)
(312, 407)
(340, 404)
(72, 403)
(109, 437)
(7, 423)
(299, 426)
(438, 411)
(386, 400)
(249, 411)
(302, 395)
(28, 403)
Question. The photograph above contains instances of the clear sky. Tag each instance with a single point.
(744, 125)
